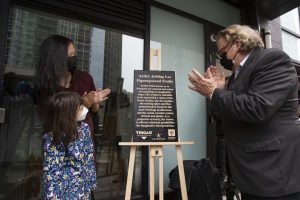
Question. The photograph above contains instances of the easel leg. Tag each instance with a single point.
(161, 174)
(130, 172)
(156, 151)
(152, 171)
(181, 173)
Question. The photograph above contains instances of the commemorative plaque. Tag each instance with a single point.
(155, 112)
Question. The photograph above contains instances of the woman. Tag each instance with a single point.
(56, 71)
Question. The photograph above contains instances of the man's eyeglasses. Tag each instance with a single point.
(222, 50)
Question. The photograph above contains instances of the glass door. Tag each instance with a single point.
(110, 57)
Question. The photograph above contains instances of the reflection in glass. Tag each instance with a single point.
(110, 57)
(155, 55)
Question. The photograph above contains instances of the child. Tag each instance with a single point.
(68, 166)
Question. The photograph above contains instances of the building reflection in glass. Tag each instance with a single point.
(110, 57)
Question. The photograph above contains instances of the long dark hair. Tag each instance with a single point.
(60, 117)
(52, 66)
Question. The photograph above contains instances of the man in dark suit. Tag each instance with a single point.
(258, 108)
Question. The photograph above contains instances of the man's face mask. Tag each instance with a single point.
(72, 63)
(225, 62)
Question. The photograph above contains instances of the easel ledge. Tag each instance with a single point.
(154, 143)
(155, 150)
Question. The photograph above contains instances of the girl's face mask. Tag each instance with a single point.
(81, 115)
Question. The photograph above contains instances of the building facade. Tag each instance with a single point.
(114, 38)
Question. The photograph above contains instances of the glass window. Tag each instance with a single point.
(177, 44)
(291, 33)
(291, 45)
(110, 57)
(290, 20)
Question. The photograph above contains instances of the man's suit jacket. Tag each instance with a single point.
(260, 124)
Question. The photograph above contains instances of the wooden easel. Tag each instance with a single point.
(155, 150)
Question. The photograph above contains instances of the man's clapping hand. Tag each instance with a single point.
(205, 85)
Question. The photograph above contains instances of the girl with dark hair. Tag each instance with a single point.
(56, 71)
(68, 165)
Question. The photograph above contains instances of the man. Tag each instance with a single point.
(258, 110)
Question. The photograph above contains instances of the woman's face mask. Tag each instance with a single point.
(81, 115)
(72, 63)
